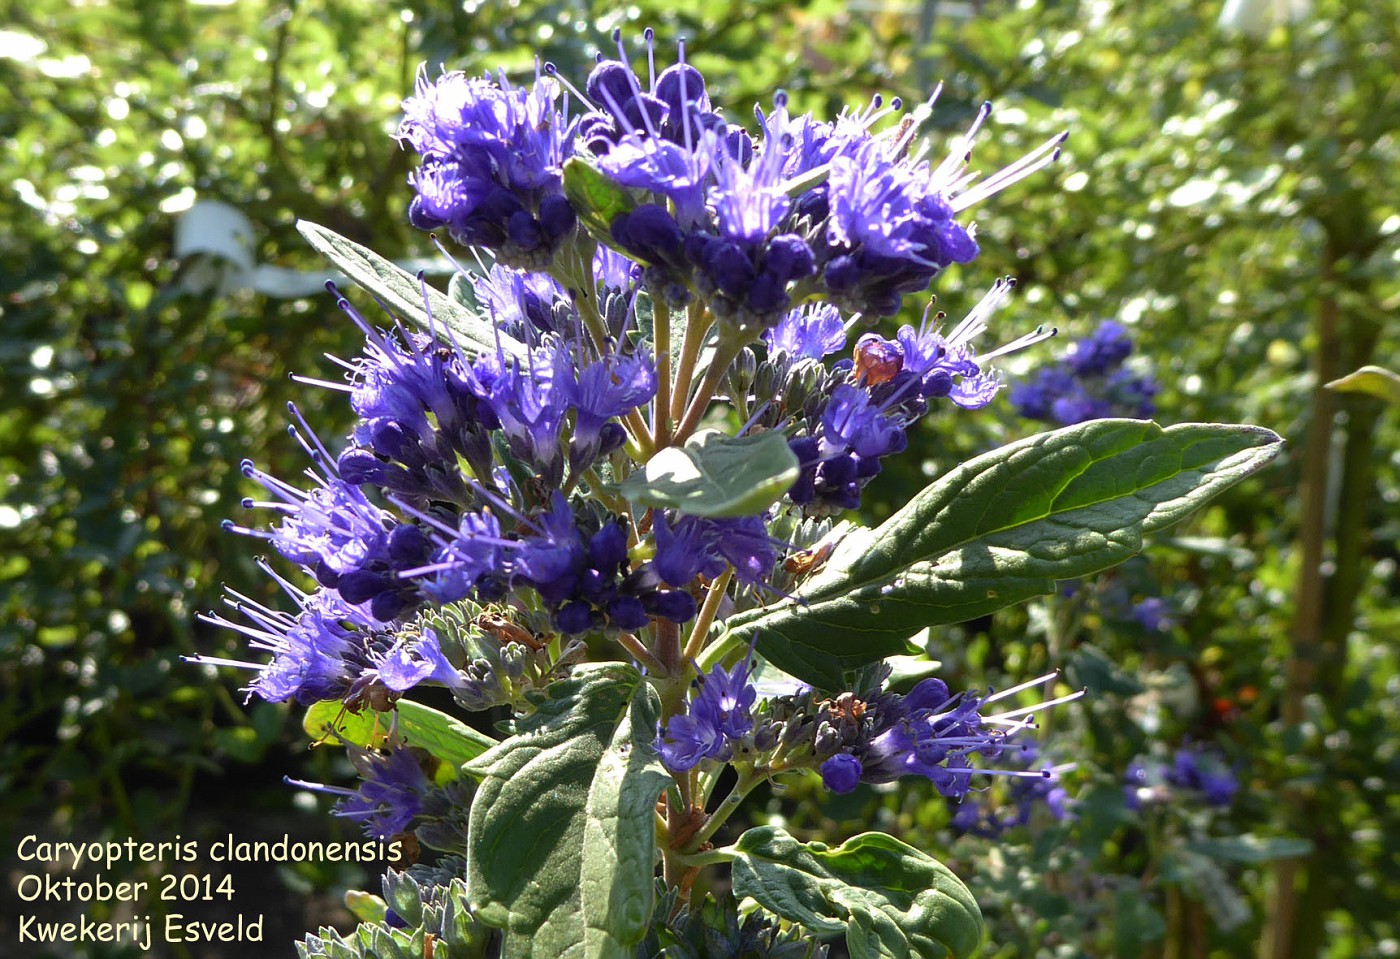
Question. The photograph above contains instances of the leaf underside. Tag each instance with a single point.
(402, 293)
(716, 476)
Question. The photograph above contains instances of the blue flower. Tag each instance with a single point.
(687, 546)
(492, 160)
(682, 551)
(583, 577)
(925, 733)
(854, 422)
(1037, 786)
(420, 417)
(328, 650)
(613, 271)
(411, 660)
(551, 561)
(1088, 382)
(1131, 393)
(390, 796)
(888, 231)
(349, 544)
(1101, 351)
(1078, 406)
(476, 552)
(810, 332)
(841, 773)
(719, 229)
(884, 220)
(530, 399)
(1194, 771)
(687, 741)
(1035, 398)
(661, 140)
(751, 200)
(605, 389)
(857, 427)
(523, 303)
(1206, 773)
(948, 366)
(721, 713)
(1153, 614)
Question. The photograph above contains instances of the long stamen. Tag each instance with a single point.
(323, 384)
(649, 35)
(1039, 158)
(319, 450)
(962, 154)
(975, 323)
(685, 98)
(1038, 335)
(1028, 684)
(1028, 710)
(553, 72)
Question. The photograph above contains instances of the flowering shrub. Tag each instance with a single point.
(597, 487)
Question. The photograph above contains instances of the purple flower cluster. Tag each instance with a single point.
(744, 223)
(927, 732)
(717, 716)
(888, 386)
(492, 160)
(1089, 382)
(583, 578)
(690, 546)
(391, 792)
(346, 542)
(1194, 772)
(426, 411)
(333, 650)
(878, 737)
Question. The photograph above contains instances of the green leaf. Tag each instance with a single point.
(619, 835)
(448, 739)
(577, 772)
(998, 530)
(1373, 380)
(329, 721)
(890, 899)
(596, 199)
(1135, 924)
(1250, 848)
(461, 291)
(365, 906)
(715, 475)
(1092, 670)
(402, 293)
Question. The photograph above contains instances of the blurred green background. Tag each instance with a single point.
(1230, 192)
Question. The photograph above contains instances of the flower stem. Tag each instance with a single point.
(701, 629)
(745, 784)
(700, 402)
(661, 411)
(595, 489)
(637, 426)
(709, 857)
(696, 326)
(638, 649)
(667, 650)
